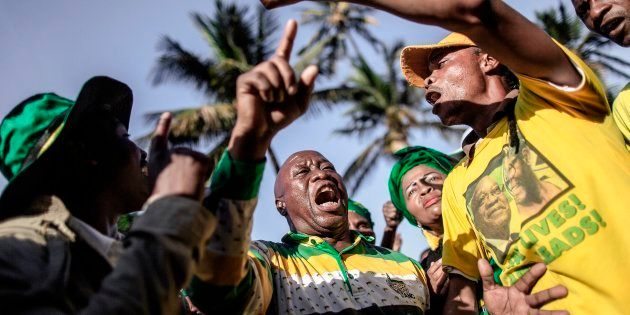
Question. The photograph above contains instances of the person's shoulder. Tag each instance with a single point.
(269, 248)
(623, 97)
(388, 254)
(34, 228)
(46, 217)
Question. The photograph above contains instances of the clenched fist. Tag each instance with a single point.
(393, 217)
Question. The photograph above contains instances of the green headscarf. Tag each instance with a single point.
(360, 210)
(409, 158)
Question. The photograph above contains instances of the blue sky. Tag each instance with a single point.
(58, 45)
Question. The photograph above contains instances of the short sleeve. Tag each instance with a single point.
(587, 99)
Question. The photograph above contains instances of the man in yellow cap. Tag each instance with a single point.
(520, 91)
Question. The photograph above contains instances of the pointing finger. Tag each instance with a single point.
(286, 43)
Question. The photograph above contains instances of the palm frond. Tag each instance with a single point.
(337, 22)
(267, 28)
(611, 58)
(178, 64)
(217, 151)
(569, 31)
(362, 165)
(228, 31)
(310, 54)
(191, 125)
(361, 125)
(614, 70)
(326, 99)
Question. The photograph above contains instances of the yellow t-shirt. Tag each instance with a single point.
(621, 113)
(558, 194)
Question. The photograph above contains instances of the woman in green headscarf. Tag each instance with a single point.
(415, 188)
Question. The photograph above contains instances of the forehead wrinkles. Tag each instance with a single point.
(306, 159)
(436, 55)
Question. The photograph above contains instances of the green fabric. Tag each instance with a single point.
(237, 180)
(23, 129)
(408, 158)
(233, 298)
(361, 210)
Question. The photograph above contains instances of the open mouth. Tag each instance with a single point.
(327, 197)
(432, 97)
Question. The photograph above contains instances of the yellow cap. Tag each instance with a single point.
(414, 60)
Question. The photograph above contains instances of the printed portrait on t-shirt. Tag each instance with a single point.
(517, 185)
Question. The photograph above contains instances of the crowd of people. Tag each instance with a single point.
(530, 221)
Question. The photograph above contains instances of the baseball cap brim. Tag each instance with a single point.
(414, 60)
(98, 94)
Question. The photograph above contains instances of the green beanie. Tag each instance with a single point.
(360, 210)
(408, 158)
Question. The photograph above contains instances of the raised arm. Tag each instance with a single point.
(493, 25)
(269, 98)
(393, 218)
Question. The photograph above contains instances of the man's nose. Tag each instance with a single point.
(428, 81)
(319, 174)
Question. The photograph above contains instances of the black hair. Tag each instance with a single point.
(509, 78)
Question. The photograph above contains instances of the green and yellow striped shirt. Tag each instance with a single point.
(302, 274)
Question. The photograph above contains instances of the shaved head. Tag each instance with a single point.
(311, 195)
(278, 188)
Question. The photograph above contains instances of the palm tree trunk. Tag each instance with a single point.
(274, 159)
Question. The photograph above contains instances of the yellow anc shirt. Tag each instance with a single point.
(558, 193)
(621, 113)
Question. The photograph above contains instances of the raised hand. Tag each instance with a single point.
(180, 171)
(518, 299)
(184, 175)
(159, 154)
(268, 98)
(393, 217)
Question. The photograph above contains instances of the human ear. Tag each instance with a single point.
(281, 206)
(488, 63)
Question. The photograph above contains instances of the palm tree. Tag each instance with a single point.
(380, 102)
(238, 40)
(571, 32)
(337, 23)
